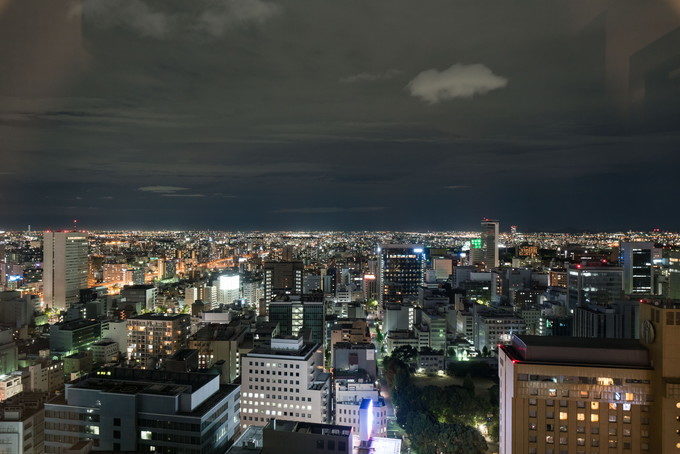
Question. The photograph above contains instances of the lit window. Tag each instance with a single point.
(145, 435)
(605, 381)
(594, 405)
(581, 416)
(594, 418)
(563, 415)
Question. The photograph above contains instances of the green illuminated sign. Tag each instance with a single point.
(476, 243)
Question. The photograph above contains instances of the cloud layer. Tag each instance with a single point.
(459, 81)
(214, 17)
(163, 189)
(370, 77)
(328, 210)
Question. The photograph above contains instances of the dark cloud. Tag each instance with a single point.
(295, 113)
(326, 210)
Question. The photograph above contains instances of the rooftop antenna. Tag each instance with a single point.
(75, 224)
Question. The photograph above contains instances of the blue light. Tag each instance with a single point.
(14, 278)
(418, 250)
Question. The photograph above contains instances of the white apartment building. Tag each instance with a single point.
(348, 413)
(285, 380)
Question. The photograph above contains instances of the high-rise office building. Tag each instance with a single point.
(285, 380)
(229, 288)
(616, 320)
(282, 278)
(593, 284)
(672, 287)
(660, 333)
(573, 395)
(65, 267)
(490, 232)
(136, 410)
(401, 271)
(637, 260)
(295, 317)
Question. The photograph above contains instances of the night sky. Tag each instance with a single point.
(340, 114)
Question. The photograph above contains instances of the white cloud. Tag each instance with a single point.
(163, 189)
(459, 81)
(370, 77)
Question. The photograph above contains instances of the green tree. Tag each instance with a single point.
(405, 353)
(469, 384)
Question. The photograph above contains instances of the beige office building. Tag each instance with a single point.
(562, 395)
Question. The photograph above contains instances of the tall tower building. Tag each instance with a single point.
(295, 315)
(573, 395)
(637, 260)
(229, 288)
(672, 289)
(570, 394)
(593, 285)
(490, 231)
(65, 267)
(401, 271)
(282, 278)
(660, 333)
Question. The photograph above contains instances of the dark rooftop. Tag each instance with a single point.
(354, 346)
(154, 316)
(75, 324)
(219, 332)
(578, 351)
(308, 427)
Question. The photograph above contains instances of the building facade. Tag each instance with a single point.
(401, 271)
(285, 380)
(138, 410)
(65, 267)
(155, 336)
(570, 395)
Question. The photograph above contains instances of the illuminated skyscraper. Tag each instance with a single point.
(282, 278)
(229, 286)
(593, 285)
(401, 271)
(570, 394)
(490, 230)
(573, 395)
(637, 261)
(64, 267)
